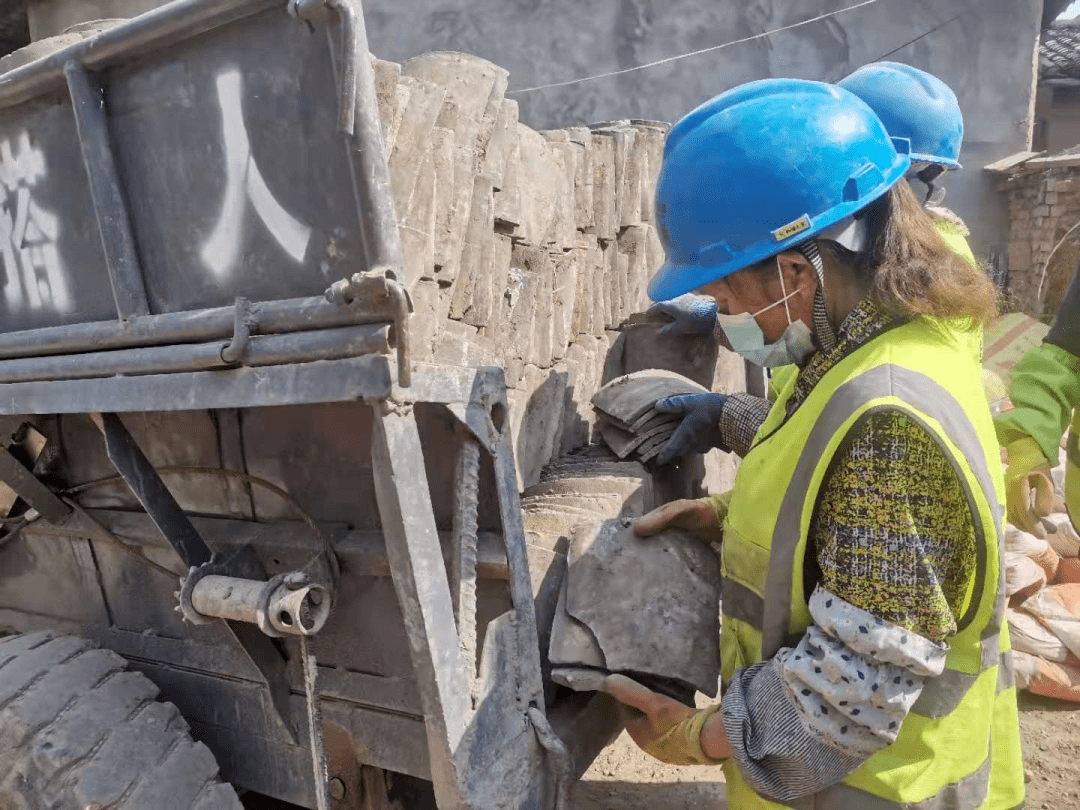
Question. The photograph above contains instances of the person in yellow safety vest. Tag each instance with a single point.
(1045, 393)
(864, 654)
(912, 104)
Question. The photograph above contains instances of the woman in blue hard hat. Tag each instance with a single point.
(863, 646)
(912, 104)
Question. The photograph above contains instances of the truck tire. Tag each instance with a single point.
(79, 731)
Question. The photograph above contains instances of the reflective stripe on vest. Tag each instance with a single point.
(969, 792)
(942, 695)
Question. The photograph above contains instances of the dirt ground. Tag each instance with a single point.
(1051, 737)
(624, 778)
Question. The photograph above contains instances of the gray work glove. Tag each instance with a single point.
(691, 315)
(699, 431)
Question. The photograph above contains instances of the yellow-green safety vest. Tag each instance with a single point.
(959, 748)
(955, 238)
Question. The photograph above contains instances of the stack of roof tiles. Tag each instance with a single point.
(522, 249)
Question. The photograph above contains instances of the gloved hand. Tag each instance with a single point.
(691, 314)
(699, 431)
(1028, 472)
(666, 729)
(703, 518)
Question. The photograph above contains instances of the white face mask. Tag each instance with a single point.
(746, 338)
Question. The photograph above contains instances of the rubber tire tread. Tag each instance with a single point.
(79, 730)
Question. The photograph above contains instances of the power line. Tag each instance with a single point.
(910, 41)
(696, 53)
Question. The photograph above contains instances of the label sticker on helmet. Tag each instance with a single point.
(792, 228)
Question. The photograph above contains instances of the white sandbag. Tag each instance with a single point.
(1023, 576)
(1029, 636)
(1025, 668)
(1055, 519)
(1064, 540)
(1035, 548)
(1058, 609)
(1052, 679)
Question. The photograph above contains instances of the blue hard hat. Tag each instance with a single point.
(913, 104)
(761, 168)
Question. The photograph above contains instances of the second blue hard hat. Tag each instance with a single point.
(915, 105)
(759, 169)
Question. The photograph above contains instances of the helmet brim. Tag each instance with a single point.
(920, 157)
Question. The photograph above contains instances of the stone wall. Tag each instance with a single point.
(527, 250)
(1043, 206)
(986, 52)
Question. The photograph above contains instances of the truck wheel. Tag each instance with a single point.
(78, 731)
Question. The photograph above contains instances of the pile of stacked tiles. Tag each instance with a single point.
(522, 249)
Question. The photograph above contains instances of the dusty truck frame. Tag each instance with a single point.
(158, 328)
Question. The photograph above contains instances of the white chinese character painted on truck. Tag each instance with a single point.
(34, 275)
(244, 182)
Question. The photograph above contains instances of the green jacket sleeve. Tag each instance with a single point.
(1045, 389)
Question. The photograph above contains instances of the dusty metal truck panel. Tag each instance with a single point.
(180, 189)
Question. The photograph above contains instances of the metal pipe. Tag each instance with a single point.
(274, 317)
(274, 606)
(299, 347)
(302, 610)
(347, 92)
(404, 361)
(326, 344)
(231, 598)
(146, 33)
(243, 321)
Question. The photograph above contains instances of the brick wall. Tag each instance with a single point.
(1043, 207)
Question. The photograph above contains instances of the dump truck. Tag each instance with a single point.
(250, 544)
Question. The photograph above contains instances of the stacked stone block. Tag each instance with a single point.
(522, 249)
